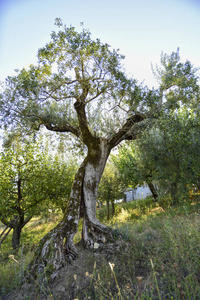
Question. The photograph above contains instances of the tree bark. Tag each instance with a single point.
(93, 230)
(17, 225)
(57, 247)
(153, 190)
(16, 236)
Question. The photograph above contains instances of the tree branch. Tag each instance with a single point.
(4, 221)
(83, 124)
(27, 219)
(125, 131)
(63, 128)
(10, 223)
(138, 128)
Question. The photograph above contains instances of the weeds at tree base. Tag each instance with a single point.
(40, 286)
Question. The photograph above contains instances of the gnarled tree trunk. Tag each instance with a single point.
(57, 247)
(93, 230)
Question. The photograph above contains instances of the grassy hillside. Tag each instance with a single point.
(161, 260)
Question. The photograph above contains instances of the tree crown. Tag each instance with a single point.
(79, 87)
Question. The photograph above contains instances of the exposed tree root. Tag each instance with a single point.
(95, 235)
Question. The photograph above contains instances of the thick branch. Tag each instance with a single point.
(124, 132)
(83, 124)
(63, 128)
(98, 93)
(139, 127)
(8, 223)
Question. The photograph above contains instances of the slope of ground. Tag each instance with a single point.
(158, 258)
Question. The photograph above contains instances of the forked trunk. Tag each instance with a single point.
(93, 230)
(57, 247)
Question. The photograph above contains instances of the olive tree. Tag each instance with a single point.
(171, 150)
(167, 154)
(79, 88)
(133, 171)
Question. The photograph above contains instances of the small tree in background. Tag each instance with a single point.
(171, 149)
(132, 170)
(30, 180)
(110, 188)
(167, 154)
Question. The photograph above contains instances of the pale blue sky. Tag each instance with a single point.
(140, 29)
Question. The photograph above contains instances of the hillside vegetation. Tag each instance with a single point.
(156, 258)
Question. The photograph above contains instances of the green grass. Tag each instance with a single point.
(165, 250)
(11, 272)
(163, 261)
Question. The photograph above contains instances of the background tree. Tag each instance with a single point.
(133, 171)
(171, 149)
(60, 176)
(31, 180)
(166, 154)
(79, 87)
(110, 188)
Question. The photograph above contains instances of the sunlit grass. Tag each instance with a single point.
(12, 273)
(30, 234)
(163, 261)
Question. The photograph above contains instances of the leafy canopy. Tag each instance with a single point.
(32, 180)
(111, 187)
(72, 67)
(80, 87)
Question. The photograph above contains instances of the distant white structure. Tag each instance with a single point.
(140, 192)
